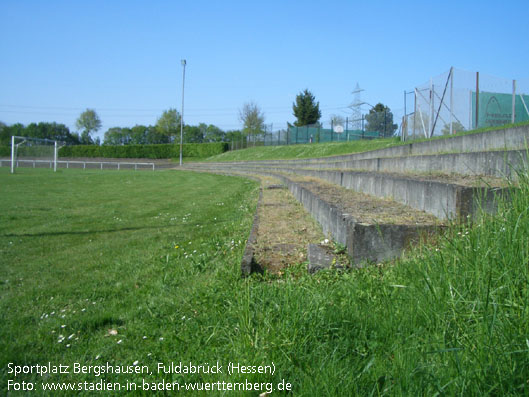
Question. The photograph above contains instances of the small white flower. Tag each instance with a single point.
(63, 326)
(68, 345)
(144, 337)
(97, 357)
(161, 337)
(71, 336)
(135, 363)
(119, 341)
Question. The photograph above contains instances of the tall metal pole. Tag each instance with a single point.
(405, 121)
(477, 100)
(430, 127)
(513, 114)
(182, 116)
(451, 100)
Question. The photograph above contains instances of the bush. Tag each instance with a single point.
(160, 151)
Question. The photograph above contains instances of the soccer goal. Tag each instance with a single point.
(33, 152)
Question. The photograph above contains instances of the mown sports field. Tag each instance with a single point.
(138, 269)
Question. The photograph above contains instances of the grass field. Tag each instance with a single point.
(136, 269)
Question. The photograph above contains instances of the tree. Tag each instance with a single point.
(456, 127)
(214, 134)
(168, 126)
(88, 122)
(194, 134)
(5, 138)
(337, 120)
(252, 119)
(306, 109)
(117, 136)
(380, 119)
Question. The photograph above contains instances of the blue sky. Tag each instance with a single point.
(122, 58)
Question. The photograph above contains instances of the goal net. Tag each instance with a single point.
(33, 152)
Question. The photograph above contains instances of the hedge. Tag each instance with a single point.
(5, 151)
(161, 151)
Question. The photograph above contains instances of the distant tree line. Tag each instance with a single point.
(54, 131)
(166, 130)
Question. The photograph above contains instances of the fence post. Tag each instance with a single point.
(451, 100)
(477, 99)
(513, 115)
(347, 128)
(297, 134)
(363, 131)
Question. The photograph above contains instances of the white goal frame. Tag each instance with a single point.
(14, 149)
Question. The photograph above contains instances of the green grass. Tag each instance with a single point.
(450, 319)
(304, 151)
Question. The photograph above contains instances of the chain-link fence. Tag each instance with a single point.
(316, 134)
(458, 100)
(339, 131)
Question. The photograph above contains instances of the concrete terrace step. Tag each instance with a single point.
(371, 229)
(500, 163)
(509, 139)
(445, 197)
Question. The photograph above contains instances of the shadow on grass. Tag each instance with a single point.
(124, 229)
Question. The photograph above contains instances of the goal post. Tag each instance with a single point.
(35, 152)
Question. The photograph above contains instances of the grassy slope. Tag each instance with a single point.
(303, 151)
(452, 319)
(329, 149)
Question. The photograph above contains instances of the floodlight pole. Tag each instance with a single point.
(182, 115)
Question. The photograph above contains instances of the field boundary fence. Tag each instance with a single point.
(307, 134)
(460, 100)
(102, 165)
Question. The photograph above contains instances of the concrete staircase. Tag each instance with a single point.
(451, 179)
